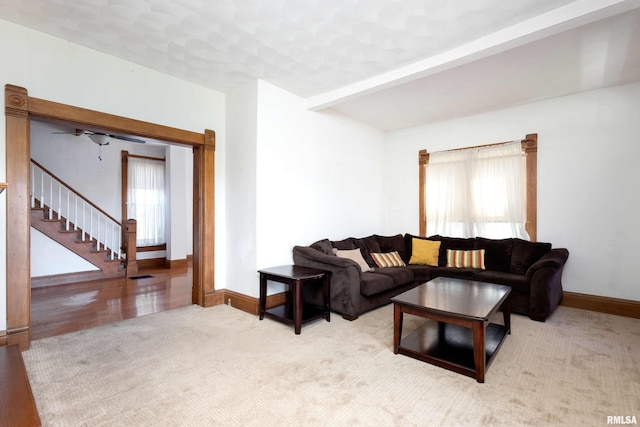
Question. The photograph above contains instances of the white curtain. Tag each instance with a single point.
(146, 200)
(477, 192)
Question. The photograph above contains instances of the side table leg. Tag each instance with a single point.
(263, 295)
(326, 290)
(479, 354)
(297, 306)
(397, 326)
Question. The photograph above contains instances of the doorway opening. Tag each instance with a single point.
(20, 108)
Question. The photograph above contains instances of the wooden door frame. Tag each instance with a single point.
(20, 108)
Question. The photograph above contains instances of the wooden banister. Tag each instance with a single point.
(76, 193)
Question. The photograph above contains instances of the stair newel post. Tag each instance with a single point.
(131, 249)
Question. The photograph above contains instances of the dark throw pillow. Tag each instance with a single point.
(525, 253)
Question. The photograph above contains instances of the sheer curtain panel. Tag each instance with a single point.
(477, 192)
(146, 199)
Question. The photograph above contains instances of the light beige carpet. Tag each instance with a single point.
(223, 367)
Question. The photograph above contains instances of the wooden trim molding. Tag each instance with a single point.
(18, 160)
(65, 278)
(529, 147)
(249, 304)
(423, 159)
(19, 110)
(619, 307)
(176, 263)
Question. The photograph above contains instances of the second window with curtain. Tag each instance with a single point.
(146, 199)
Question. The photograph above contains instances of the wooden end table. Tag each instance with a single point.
(459, 336)
(295, 310)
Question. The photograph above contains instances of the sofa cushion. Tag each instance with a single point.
(459, 273)
(421, 273)
(374, 283)
(393, 243)
(426, 252)
(497, 253)
(399, 275)
(323, 246)
(344, 244)
(457, 258)
(517, 282)
(367, 246)
(388, 259)
(525, 253)
(354, 255)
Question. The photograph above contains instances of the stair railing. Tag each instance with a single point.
(76, 211)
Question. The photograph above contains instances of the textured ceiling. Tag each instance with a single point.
(389, 63)
(305, 46)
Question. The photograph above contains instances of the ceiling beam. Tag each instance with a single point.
(568, 17)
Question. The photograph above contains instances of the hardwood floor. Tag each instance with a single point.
(62, 309)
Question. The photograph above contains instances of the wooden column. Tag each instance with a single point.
(18, 216)
(132, 248)
(530, 147)
(204, 223)
(423, 160)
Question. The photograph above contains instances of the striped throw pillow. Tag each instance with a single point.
(388, 259)
(465, 259)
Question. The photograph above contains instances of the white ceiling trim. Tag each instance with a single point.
(562, 19)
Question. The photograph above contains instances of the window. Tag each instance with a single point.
(487, 191)
(146, 199)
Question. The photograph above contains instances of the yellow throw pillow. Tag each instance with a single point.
(424, 251)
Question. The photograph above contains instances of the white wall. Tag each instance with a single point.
(179, 160)
(56, 70)
(59, 260)
(320, 175)
(588, 201)
(296, 177)
(241, 158)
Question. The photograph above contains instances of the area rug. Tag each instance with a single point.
(220, 366)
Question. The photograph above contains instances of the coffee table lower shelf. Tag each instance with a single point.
(451, 346)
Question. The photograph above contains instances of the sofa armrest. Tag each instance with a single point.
(555, 258)
(315, 256)
(345, 278)
(545, 278)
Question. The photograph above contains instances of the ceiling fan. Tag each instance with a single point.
(101, 138)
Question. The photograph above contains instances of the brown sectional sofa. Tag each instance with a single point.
(533, 270)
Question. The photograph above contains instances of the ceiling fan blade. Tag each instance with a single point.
(90, 133)
(127, 138)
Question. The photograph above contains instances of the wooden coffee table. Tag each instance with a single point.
(458, 335)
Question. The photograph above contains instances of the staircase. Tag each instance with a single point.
(70, 219)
